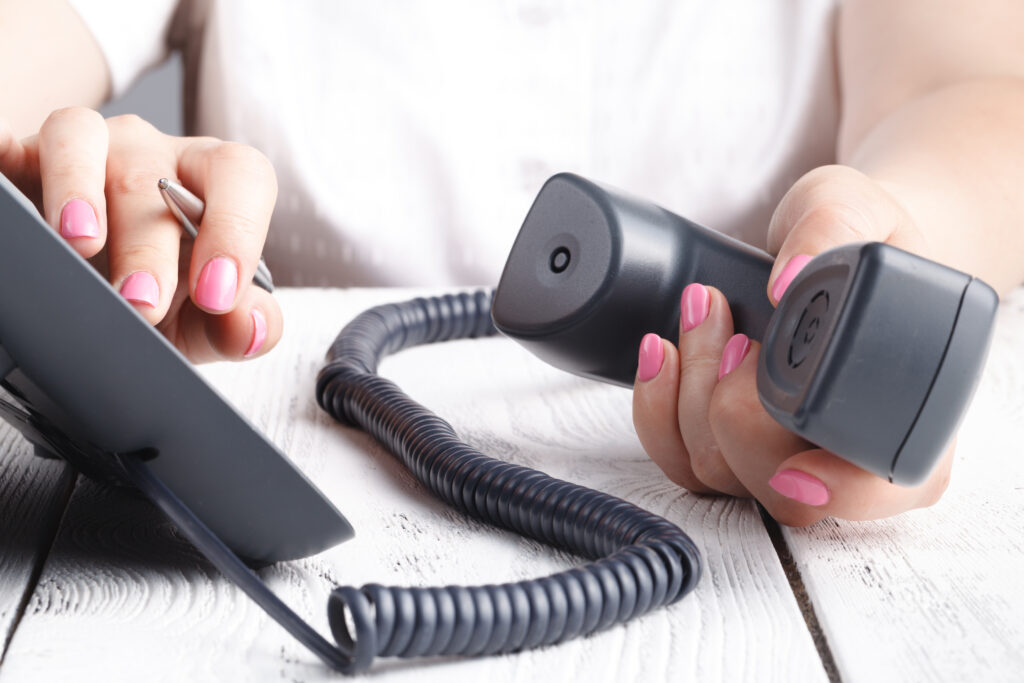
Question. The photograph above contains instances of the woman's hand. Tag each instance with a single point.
(95, 182)
(696, 408)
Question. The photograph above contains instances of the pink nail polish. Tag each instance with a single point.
(141, 288)
(733, 354)
(696, 305)
(652, 354)
(217, 284)
(259, 333)
(77, 219)
(800, 486)
(795, 265)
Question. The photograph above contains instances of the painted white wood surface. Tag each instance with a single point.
(937, 594)
(122, 597)
(33, 493)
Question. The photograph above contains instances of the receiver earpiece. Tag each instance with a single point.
(873, 353)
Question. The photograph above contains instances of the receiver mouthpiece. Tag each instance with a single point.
(873, 353)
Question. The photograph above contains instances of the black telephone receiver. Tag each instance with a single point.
(871, 349)
(872, 353)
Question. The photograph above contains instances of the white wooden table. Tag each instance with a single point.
(96, 585)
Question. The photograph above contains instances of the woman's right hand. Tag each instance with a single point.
(95, 182)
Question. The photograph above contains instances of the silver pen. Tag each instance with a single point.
(188, 209)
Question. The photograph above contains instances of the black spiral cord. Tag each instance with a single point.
(642, 561)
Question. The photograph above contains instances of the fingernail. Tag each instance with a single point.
(696, 304)
(652, 353)
(78, 219)
(733, 354)
(141, 288)
(259, 333)
(217, 284)
(800, 486)
(795, 265)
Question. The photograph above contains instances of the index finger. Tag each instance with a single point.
(73, 146)
(239, 188)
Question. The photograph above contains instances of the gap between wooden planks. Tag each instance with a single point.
(33, 495)
(519, 440)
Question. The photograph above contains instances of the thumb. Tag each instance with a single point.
(828, 207)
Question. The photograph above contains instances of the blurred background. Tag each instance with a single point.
(156, 98)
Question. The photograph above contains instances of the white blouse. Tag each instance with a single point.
(410, 137)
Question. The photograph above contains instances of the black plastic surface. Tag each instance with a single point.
(627, 260)
(91, 367)
(869, 386)
(954, 385)
(873, 353)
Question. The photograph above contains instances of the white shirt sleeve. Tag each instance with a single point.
(132, 34)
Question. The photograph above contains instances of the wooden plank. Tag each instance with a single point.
(122, 597)
(33, 493)
(937, 594)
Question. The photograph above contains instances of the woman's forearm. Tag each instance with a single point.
(954, 158)
(48, 60)
(933, 110)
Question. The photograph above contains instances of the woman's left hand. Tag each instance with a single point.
(696, 408)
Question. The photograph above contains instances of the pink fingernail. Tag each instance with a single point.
(795, 265)
(800, 486)
(696, 305)
(259, 333)
(652, 354)
(733, 354)
(217, 284)
(78, 219)
(141, 288)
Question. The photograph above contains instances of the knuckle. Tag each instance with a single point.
(228, 221)
(685, 478)
(69, 172)
(239, 156)
(816, 198)
(823, 181)
(236, 153)
(197, 147)
(728, 408)
(822, 175)
(202, 141)
(71, 116)
(678, 478)
(692, 486)
(141, 256)
(129, 124)
(844, 222)
(698, 363)
(708, 466)
(132, 181)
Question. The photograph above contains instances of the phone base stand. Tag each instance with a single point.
(92, 378)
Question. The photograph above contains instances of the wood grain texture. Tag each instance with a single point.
(937, 594)
(33, 493)
(122, 597)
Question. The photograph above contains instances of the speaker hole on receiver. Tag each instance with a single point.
(560, 258)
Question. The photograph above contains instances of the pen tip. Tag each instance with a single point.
(163, 183)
